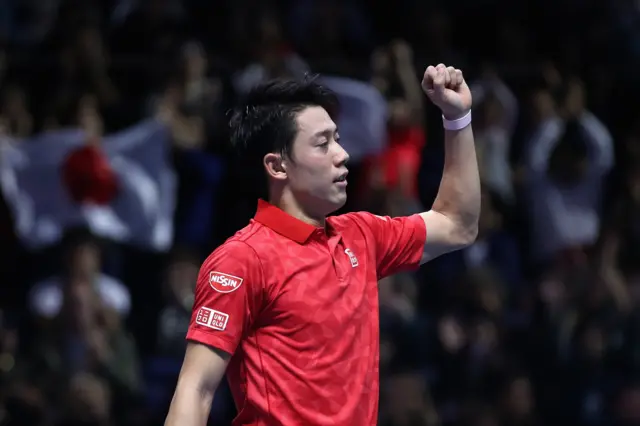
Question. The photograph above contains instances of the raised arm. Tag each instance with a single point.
(600, 143)
(452, 222)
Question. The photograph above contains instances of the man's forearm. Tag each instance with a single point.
(189, 407)
(459, 194)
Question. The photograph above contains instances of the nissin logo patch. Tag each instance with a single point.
(224, 283)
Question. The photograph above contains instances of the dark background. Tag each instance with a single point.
(496, 335)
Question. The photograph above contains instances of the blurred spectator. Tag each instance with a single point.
(518, 402)
(181, 276)
(396, 168)
(330, 31)
(272, 58)
(15, 112)
(87, 337)
(567, 162)
(82, 263)
(113, 116)
(408, 402)
(495, 126)
(495, 248)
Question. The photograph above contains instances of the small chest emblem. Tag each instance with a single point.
(352, 258)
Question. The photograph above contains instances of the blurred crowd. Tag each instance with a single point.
(538, 323)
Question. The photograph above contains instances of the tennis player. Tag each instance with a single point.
(288, 306)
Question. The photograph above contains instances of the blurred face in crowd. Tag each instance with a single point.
(181, 279)
(399, 113)
(270, 30)
(552, 291)
(493, 112)
(90, 45)
(519, 398)
(315, 172)
(484, 337)
(85, 260)
(543, 105)
(451, 334)
(486, 286)
(380, 61)
(406, 399)
(195, 62)
(14, 101)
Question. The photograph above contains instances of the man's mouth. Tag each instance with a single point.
(342, 177)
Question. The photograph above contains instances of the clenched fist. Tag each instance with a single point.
(446, 88)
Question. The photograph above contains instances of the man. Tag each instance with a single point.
(288, 307)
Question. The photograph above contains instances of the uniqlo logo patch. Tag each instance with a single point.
(212, 318)
(352, 258)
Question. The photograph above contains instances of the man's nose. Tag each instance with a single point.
(342, 156)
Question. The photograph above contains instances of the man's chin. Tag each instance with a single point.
(334, 204)
(339, 202)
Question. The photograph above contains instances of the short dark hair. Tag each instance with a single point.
(265, 121)
(79, 236)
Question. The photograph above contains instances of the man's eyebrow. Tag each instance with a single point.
(326, 132)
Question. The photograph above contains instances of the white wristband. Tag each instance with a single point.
(458, 124)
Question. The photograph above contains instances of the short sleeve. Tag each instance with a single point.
(227, 297)
(398, 242)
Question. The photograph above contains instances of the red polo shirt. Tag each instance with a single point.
(297, 307)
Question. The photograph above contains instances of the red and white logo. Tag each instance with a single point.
(212, 318)
(352, 258)
(224, 283)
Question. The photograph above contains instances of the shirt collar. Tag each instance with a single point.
(283, 223)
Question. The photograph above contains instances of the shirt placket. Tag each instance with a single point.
(336, 250)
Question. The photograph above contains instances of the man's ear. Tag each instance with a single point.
(275, 166)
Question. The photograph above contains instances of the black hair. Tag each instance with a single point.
(265, 121)
(79, 236)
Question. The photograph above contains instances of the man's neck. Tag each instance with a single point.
(290, 206)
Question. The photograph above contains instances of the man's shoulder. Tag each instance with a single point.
(239, 243)
(358, 219)
(244, 245)
(360, 225)
(231, 264)
(370, 225)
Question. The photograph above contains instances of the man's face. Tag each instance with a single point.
(85, 259)
(317, 174)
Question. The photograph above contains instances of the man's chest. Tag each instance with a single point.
(324, 287)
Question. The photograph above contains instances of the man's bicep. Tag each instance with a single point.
(227, 297)
(444, 236)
